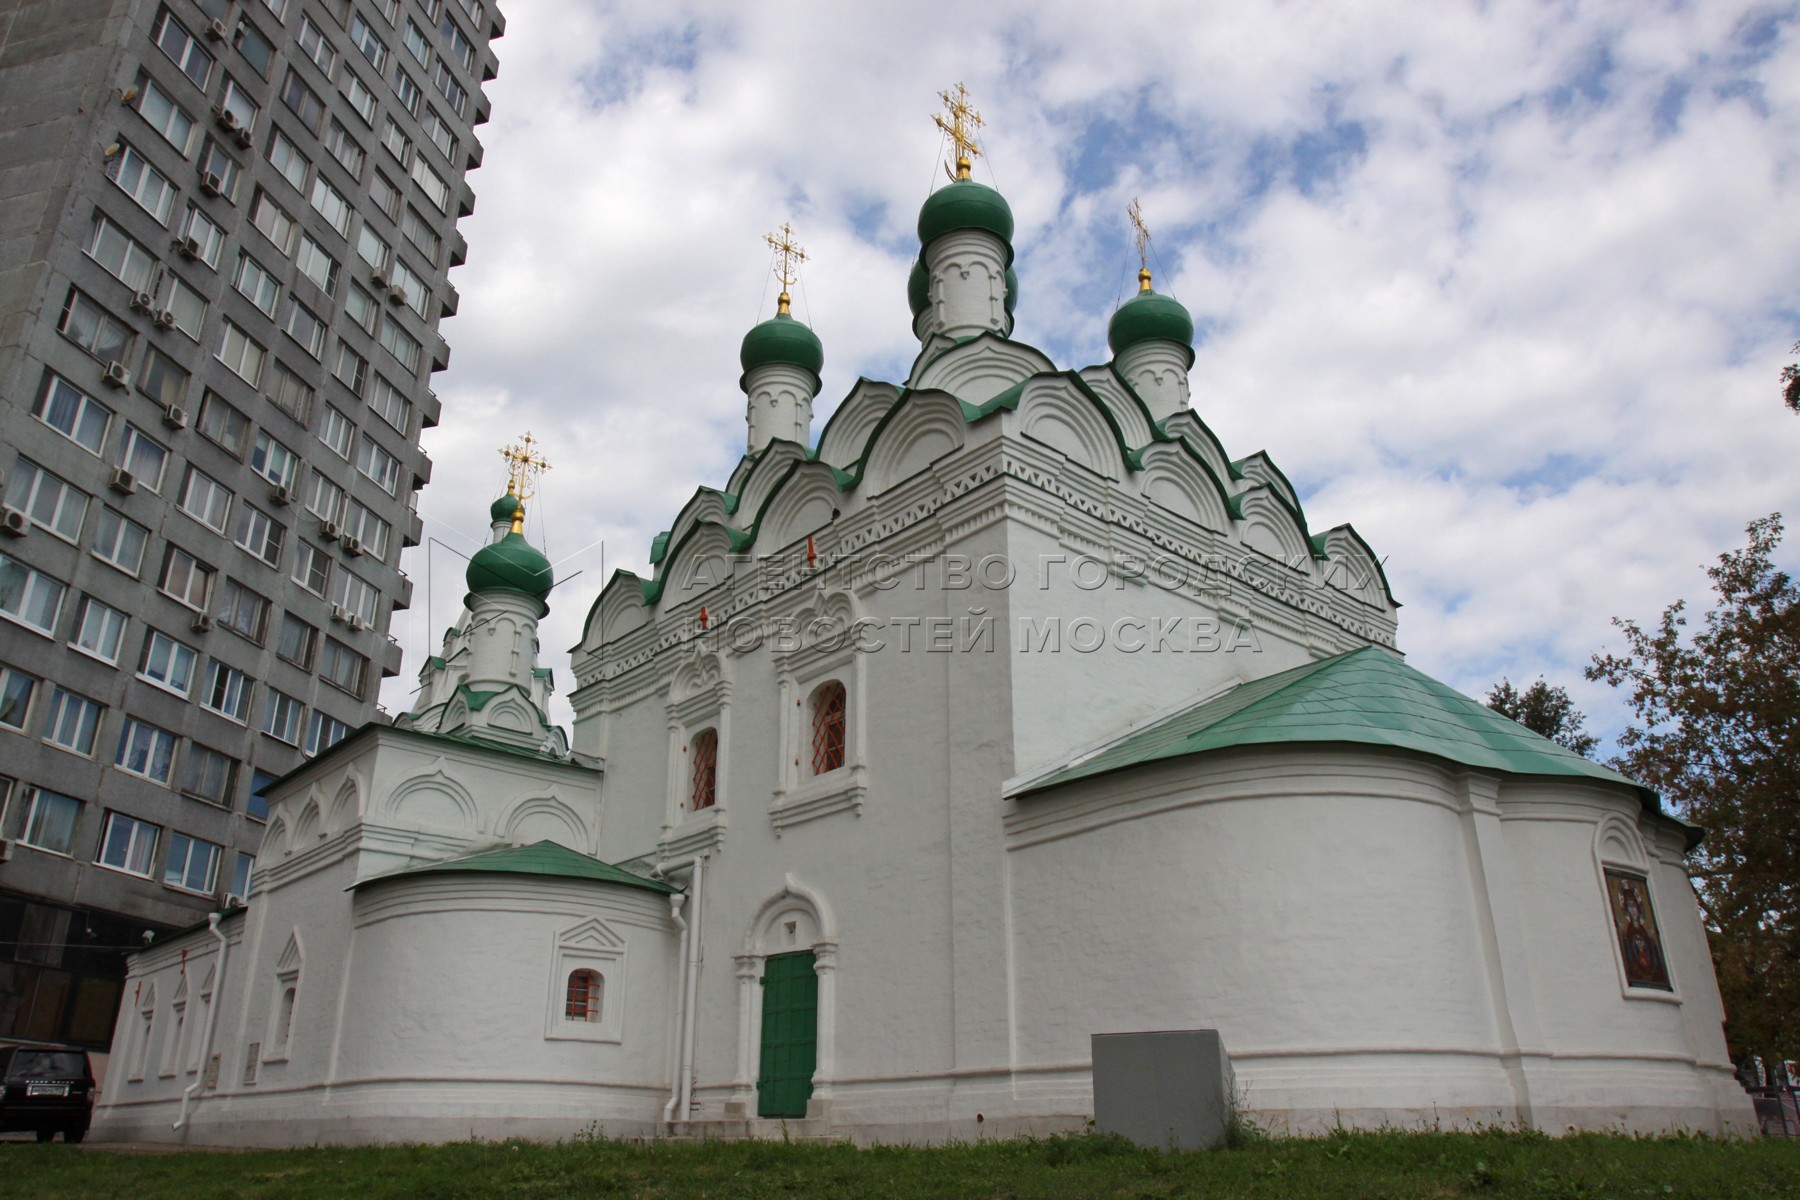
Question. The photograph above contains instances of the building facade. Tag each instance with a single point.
(224, 251)
(1010, 712)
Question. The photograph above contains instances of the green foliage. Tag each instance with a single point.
(1494, 1165)
(1544, 710)
(1719, 736)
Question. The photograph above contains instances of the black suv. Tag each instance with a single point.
(46, 1088)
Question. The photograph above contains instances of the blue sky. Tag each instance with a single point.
(1506, 285)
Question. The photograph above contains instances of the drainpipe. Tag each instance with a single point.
(675, 902)
(682, 1100)
(212, 1021)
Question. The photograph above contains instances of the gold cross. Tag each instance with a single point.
(523, 466)
(1141, 233)
(961, 127)
(789, 256)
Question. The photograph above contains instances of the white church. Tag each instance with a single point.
(1012, 712)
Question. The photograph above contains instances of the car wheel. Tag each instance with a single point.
(74, 1136)
(46, 1135)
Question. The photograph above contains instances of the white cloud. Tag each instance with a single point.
(1522, 327)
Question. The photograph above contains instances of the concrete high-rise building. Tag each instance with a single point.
(225, 233)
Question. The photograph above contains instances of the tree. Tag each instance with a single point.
(1719, 736)
(1790, 381)
(1546, 710)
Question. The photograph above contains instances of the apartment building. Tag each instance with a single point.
(225, 235)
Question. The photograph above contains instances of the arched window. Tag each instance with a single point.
(704, 792)
(586, 989)
(828, 704)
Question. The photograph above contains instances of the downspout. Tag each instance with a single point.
(675, 901)
(212, 1021)
(681, 1095)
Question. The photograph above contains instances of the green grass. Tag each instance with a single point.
(1395, 1165)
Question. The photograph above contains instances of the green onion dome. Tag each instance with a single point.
(918, 289)
(511, 564)
(965, 204)
(506, 508)
(1146, 317)
(781, 339)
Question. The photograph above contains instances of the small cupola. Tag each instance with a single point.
(781, 359)
(1152, 339)
(963, 284)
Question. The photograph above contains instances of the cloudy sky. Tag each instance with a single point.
(1506, 285)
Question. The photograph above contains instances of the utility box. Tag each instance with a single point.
(1170, 1090)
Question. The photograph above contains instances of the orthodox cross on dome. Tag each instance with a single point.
(788, 257)
(1141, 234)
(523, 466)
(961, 125)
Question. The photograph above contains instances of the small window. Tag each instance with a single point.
(72, 413)
(828, 712)
(129, 844)
(144, 457)
(146, 750)
(704, 790)
(73, 721)
(167, 663)
(193, 864)
(209, 241)
(585, 994)
(207, 775)
(182, 49)
(119, 540)
(186, 579)
(30, 597)
(49, 820)
(163, 379)
(93, 328)
(16, 689)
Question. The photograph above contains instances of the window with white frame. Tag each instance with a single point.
(330, 204)
(72, 721)
(357, 595)
(378, 465)
(371, 47)
(337, 431)
(290, 393)
(256, 49)
(72, 412)
(188, 307)
(350, 368)
(119, 541)
(49, 501)
(585, 971)
(342, 667)
(316, 265)
(144, 457)
(206, 774)
(182, 47)
(216, 161)
(256, 283)
(421, 233)
(305, 327)
(362, 100)
(185, 578)
(163, 379)
(296, 641)
(373, 250)
(381, 189)
(361, 523)
(135, 177)
(449, 87)
(128, 844)
(242, 611)
(822, 763)
(93, 328)
(48, 820)
(241, 353)
(146, 750)
(206, 500)
(407, 89)
(258, 533)
(227, 692)
(193, 864)
(122, 255)
(272, 460)
(273, 222)
(167, 663)
(312, 568)
(324, 732)
(242, 874)
(324, 499)
(29, 597)
(223, 423)
(402, 345)
(315, 45)
(236, 102)
(99, 630)
(209, 238)
(287, 158)
(344, 147)
(16, 691)
(413, 287)
(390, 404)
(432, 184)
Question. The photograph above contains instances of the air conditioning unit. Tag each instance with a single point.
(211, 184)
(378, 277)
(218, 31)
(353, 547)
(330, 530)
(123, 481)
(175, 416)
(128, 95)
(225, 117)
(338, 612)
(165, 319)
(281, 493)
(243, 138)
(396, 295)
(357, 623)
(14, 523)
(202, 623)
(189, 247)
(143, 302)
(115, 375)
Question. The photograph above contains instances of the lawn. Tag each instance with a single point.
(1391, 1165)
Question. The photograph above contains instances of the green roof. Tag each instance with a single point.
(540, 858)
(511, 564)
(1365, 696)
(1150, 316)
(780, 339)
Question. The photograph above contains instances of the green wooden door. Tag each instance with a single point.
(790, 1021)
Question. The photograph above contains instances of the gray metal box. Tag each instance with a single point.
(1170, 1090)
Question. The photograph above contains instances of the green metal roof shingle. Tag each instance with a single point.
(1365, 696)
(540, 858)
